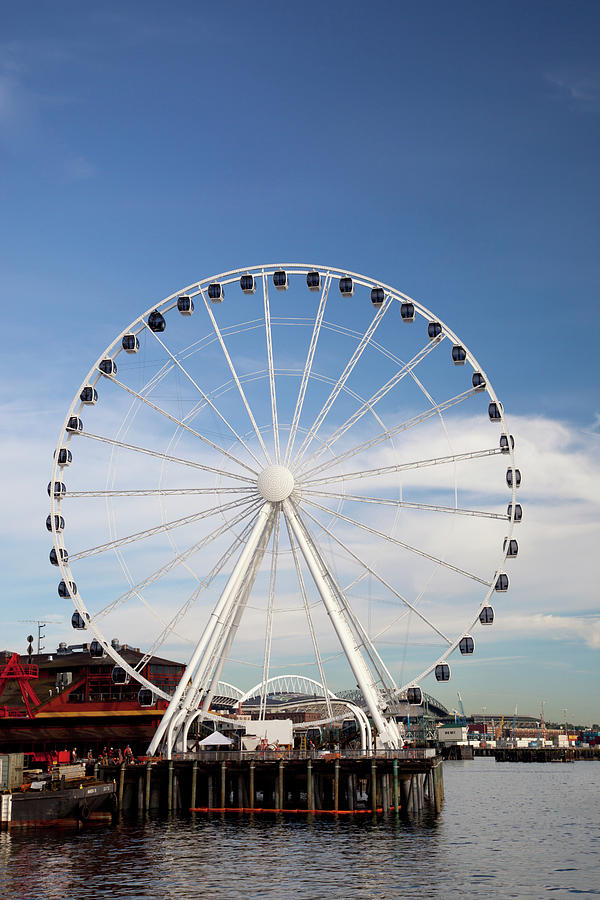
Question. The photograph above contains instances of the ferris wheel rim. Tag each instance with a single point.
(266, 270)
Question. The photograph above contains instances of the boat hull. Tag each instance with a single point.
(66, 806)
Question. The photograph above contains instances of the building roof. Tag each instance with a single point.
(77, 656)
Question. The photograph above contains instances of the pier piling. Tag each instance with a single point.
(280, 795)
(121, 785)
(147, 786)
(194, 789)
(170, 786)
(223, 784)
(333, 784)
(309, 786)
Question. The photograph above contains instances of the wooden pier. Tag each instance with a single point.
(401, 781)
(545, 754)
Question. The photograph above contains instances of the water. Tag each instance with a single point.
(506, 830)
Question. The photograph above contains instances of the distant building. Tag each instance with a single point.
(452, 734)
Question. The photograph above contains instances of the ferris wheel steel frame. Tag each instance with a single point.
(261, 508)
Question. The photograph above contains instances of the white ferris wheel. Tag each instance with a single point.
(285, 468)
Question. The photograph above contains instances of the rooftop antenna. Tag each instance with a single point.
(40, 627)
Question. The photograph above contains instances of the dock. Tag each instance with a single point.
(545, 754)
(294, 782)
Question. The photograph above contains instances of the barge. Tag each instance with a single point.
(64, 796)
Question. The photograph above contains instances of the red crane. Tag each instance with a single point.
(14, 670)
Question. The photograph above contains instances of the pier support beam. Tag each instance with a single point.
(194, 789)
(385, 793)
(310, 798)
(395, 801)
(251, 786)
(147, 787)
(373, 784)
(223, 784)
(170, 786)
(336, 785)
(280, 795)
(121, 785)
(140, 792)
(405, 794)
(351, 792)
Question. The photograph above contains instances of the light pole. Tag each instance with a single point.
(543, 721)
(483, 709)
(566, 730)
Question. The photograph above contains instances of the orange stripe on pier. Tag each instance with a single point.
(263, 809)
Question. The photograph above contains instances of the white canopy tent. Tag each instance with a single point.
(216, 739)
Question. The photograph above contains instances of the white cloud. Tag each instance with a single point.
(557, 627)
(580, 89)
(78, 168)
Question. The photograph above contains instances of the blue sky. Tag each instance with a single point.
(451, 151)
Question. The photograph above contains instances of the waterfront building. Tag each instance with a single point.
(83, 701)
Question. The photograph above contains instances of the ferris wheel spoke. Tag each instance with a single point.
(379, 578)
(272, 391)
(235, 375)
(183, 425)
(198, 591)
(206, 398)
(407, 504)
(352, 362)
(158, 529)
(409, 547)
(369, 404)
(437, 409)
(402, 467)
(309, 619)
(177, 560)
(307, 368)
(161, 492)
(162, 456)
(270, 609)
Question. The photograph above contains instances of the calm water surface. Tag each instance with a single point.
(506, 830)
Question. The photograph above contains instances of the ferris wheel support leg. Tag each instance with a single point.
(224, 653)
(194, 669)
(386, 729)
(238, 588)
(230, 629)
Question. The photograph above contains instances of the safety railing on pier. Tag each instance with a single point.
(282, 753)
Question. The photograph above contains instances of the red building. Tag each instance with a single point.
(80, 705)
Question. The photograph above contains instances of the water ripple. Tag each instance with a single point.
(505, 831)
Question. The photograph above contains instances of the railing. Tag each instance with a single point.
(275, 755)
(29, 670)
(7, 712)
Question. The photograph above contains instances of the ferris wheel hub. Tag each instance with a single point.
(276, 483)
